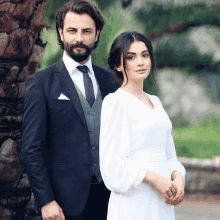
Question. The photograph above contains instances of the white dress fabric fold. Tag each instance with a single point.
(133, 140)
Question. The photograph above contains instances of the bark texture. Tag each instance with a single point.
(21, 51)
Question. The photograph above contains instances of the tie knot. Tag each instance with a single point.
(83, 69)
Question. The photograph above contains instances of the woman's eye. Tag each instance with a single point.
(130, 58)
(146, 55)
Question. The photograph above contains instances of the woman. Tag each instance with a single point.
(137, 154)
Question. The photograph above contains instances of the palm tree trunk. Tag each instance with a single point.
(21, 51)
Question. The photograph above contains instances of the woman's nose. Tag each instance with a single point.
(140, 61)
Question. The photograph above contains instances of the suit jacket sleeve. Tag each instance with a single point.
(34, 140)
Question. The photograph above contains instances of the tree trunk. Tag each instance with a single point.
(21, 51)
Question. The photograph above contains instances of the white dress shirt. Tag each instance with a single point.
(77, 76)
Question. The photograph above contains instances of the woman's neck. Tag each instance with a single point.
(134, 87)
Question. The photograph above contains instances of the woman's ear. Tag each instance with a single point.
(118, 69)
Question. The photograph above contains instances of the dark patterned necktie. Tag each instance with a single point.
(90, 97)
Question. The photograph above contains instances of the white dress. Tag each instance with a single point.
(133, 140)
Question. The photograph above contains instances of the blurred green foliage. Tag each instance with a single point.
(104, 4)
(176, 22)
(199, 141)
(178, 51)
(168, 18)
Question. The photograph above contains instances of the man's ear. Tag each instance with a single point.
(97, 35)
(61, 33)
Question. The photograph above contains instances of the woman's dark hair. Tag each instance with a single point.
(79, 7)
(120, 46)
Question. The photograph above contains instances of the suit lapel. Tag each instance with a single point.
(101, 78)
(68, 85)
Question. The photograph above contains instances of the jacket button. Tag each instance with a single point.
(90, 113)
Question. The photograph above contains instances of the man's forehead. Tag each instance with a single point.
(77, 26)
(78, 20)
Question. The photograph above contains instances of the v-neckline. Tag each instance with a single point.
(140, 100)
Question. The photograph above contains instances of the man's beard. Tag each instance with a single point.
(78, 57)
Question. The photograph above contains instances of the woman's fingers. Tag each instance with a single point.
(179, 195)
(175, 203)
(178, 191)
(173, 190)
(178, 201)
(182, 195)
(169, 194)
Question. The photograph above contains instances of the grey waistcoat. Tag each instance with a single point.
(92, 116)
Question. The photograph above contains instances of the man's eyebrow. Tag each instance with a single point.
(72, 28)
(87, 28)
(144, 51)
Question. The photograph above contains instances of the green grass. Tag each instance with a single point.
(200, 141)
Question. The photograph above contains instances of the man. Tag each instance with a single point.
(61, 121)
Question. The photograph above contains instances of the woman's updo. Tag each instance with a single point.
(120, 46)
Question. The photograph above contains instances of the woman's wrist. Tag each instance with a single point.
(176, 175)
(149, 177)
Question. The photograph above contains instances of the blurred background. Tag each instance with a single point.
(186, 39)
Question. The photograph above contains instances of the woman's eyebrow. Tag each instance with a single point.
(144, 51)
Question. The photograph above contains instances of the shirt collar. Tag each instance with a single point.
(71, 64)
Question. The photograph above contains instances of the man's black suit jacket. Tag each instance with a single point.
(55, 138)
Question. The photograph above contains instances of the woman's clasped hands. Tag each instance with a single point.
(171, 190)
(177, 183)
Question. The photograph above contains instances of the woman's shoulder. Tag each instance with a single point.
(113, 99)
(113, 96)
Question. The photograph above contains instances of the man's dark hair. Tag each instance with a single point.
(120, 46)
(79, 7)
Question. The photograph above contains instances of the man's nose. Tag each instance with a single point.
(79, 37)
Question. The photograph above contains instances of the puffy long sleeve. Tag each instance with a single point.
(119, 172)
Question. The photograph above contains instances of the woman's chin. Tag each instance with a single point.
(142, 76)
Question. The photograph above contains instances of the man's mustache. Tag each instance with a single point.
(81, 45)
